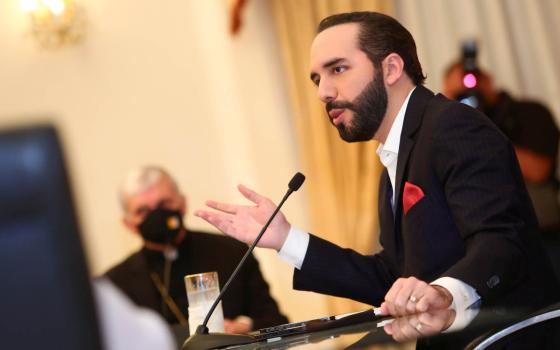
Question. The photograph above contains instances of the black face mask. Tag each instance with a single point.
(161, 225)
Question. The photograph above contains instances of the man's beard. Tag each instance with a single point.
(369, 109)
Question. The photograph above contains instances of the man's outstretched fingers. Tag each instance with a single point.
(220, 221)
(250, 194)
(227, 208)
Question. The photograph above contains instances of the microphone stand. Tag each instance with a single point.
(202, 340)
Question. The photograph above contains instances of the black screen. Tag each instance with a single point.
(46, 300)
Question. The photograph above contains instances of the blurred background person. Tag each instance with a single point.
(528, 124)
(154, 207)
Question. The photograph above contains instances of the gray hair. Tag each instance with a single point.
(139, 180)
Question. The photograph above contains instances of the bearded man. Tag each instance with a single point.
(457, 225)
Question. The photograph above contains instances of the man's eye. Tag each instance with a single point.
(339, 69)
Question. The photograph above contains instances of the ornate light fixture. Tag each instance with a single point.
(55, 23)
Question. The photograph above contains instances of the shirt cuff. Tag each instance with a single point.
(295, 247)
(464, 299)
(463, 294)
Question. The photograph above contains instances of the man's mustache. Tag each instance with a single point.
(339, 105)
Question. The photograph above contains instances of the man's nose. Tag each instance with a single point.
(326, 91)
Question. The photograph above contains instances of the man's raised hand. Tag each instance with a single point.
(244, 222)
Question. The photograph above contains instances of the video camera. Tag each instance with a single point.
(471, 74)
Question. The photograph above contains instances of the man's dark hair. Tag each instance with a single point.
(379, 36)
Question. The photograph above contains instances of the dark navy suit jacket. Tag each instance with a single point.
(475, 222)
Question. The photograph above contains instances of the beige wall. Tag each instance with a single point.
(161, 82)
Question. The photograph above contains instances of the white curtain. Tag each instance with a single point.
(519, 41)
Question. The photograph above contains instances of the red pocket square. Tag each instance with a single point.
(412, 194)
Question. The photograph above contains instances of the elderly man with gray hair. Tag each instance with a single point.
(154, 207)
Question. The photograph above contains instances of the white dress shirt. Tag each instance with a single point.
(295, 246)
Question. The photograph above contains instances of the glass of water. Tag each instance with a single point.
(202, 291)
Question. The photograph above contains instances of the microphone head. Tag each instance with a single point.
(296, 181)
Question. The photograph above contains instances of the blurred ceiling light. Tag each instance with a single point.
(28, 5)
(55, 6)
(54, 23)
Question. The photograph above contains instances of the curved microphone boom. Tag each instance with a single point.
(202, 339)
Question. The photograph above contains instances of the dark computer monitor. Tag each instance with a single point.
(46, 299)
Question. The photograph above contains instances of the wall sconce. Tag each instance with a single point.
(55, 23)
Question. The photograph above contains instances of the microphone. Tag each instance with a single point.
(294, 184)
(202, 339)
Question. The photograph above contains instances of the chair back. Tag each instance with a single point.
(46, 300)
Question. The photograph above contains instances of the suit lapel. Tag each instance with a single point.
(412, 120)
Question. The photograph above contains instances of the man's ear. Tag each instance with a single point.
(393, 68)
